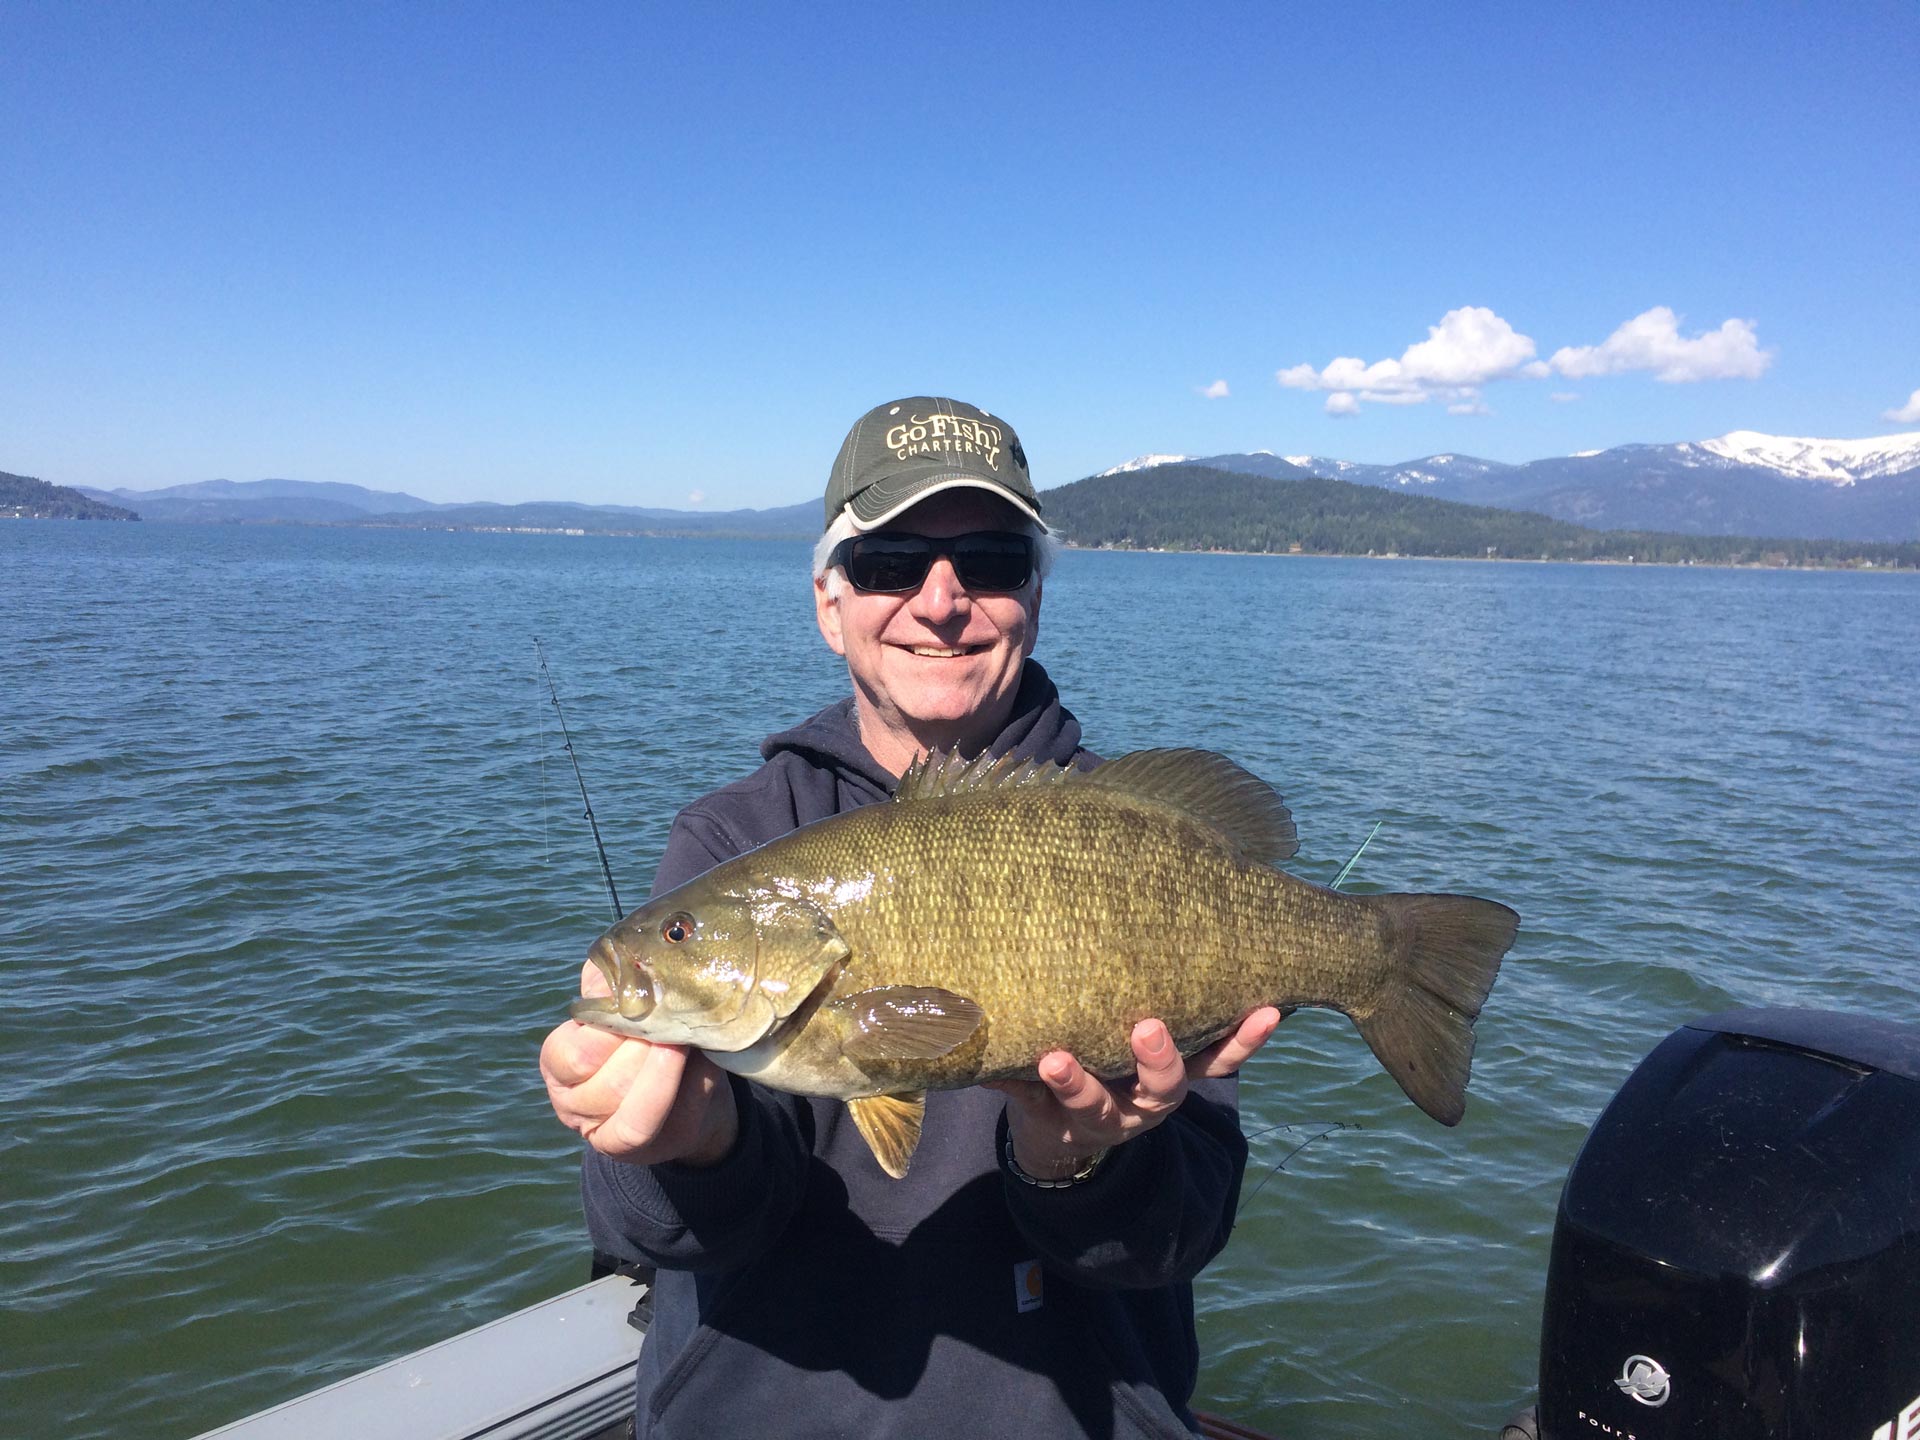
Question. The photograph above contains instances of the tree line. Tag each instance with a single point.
(1194, 507)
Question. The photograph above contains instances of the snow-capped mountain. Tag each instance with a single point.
(1840, 462)
(1428, 470)
(1744, 483)
(1147, 462)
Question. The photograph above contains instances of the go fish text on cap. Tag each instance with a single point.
(945, 434)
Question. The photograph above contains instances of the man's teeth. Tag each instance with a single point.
(939, 652)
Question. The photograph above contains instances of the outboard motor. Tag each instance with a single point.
(1737, 1250)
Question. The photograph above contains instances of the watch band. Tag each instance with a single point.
(1085, 1172)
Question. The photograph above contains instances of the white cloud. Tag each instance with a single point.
(1907, 414)
(1216, 391)
(1393, 397)
(1472, 347)
(1469, 347)
(696, 497)
(1652, 341)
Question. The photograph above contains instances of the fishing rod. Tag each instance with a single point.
(567, 736)
(1281, 1163)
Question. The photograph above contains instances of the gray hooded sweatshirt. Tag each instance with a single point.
(801, 1292)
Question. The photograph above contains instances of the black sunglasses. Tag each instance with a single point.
(893, 564)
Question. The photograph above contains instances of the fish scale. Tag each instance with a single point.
(1127, 911)
(996, 911)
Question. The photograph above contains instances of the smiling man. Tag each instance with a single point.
(1031, 1274)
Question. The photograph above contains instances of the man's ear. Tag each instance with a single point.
(826, 614)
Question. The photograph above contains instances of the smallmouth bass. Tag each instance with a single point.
(997, 910)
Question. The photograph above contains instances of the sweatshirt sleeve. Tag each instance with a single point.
(1158, 1208)
(678, 1217)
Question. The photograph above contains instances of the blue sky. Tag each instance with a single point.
(642, 253)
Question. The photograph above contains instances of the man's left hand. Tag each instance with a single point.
(1066, 1117)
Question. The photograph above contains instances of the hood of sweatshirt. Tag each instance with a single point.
(1040, 728)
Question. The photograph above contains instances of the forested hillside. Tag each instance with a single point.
(24, 498)
(1192, 507)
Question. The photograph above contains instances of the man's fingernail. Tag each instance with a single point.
(1156, 1040)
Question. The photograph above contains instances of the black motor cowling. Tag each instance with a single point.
(1737, 1250)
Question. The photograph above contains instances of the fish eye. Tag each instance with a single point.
(677, 929)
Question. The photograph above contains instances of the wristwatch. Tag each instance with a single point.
(1085, 1172)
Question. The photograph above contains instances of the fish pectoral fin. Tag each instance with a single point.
(903, 1022)
(890, 1124)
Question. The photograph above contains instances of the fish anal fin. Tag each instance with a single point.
(903, 1022)
(1211, 788)
(890, 1124)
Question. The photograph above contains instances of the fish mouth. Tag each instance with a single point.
(632, 997)
(600, 1012)
(606, 960)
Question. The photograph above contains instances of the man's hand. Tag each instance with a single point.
(1062, 1120)
(636, 1101)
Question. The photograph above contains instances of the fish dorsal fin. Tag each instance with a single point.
(942, 773)
(1211, 788)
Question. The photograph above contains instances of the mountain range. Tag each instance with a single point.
(316, 502)
(1744, 483)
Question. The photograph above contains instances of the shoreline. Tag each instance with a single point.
(1862, 567)
(1859, 566)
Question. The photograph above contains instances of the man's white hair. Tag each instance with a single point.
(1046, 545)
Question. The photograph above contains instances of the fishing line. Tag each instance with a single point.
(540, 728)
(1344, 869)
(567, 737)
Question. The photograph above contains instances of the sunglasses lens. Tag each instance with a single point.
(893, 564)
(993, 562)
(888, 566)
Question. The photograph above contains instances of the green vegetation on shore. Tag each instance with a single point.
(24, 498)
(1193, 507)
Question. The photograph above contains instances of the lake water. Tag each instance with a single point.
(289, 896)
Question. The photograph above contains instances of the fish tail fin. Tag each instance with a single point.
(1446, 951)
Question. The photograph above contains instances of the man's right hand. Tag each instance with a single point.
(636, 1101)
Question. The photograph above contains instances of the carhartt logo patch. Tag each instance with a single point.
(945, 434)
(1028, 1286)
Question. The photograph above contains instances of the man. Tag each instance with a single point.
(1031, 1275)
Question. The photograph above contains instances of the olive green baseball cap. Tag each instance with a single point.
(898, 454)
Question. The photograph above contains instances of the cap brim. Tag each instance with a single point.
(935, 485)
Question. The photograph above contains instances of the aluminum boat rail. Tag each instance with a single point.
(558, 1370)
